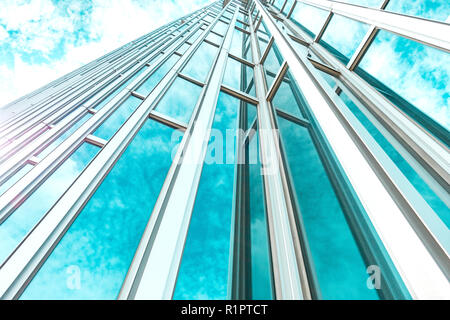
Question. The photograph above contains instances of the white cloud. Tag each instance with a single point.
(40, 27)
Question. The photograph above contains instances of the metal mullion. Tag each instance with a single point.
(395, 231)
(324, 27)
(96, 141)
(289, 274)
(428, 151)
(177, 202)
(288, 16)
(325, 68)
(292, 118)
(429, 32)
(239, 94)
(22, 264)
(277, 81)
(168, 121)
(194, 81)
(241, 60)
(266, 51)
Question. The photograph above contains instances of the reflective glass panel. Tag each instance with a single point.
(214, 38)
(97, 246)
(239, 76)
(200, 63)
(272, 64)
(28, 214)
(203, 273)
(366, 3)
(338, 263)
(110, 126)
(413, 76)
(180, 100)
(288, 6)
(343, 36)
(148, 85)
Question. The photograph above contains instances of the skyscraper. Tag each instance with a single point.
(249, 150)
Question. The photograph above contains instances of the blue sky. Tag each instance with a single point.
(41, 40)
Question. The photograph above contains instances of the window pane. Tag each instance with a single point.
(149, 84)
(25, 217)
(429, 9)
(272, 64)
(180, 100)
(413, 76)
(261, 273)
(236, 43)
(239, 76)
(97, 244)
(203, 272)
(110, 126)
(330, 239)
(343, 36)
(220, 27)
(278, 4)
(310, 19)
(285, 99)
(200, 63)
(263, 37)
(16, 177)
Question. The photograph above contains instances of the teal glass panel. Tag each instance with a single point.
(110, 126)
(201, 62)
(261, 271)
(251, 115)
(247, 47)
(263, 37)
(101, 242)
(63, 137)
(30, 212)
(195, 36)
(239, 76)
(428, 9)
(343, 36)
(433, 200)
(310, 19)
(418, 81)
(203, 273)
(272, 64)
(148, 85)
(180, 100)
(338, 263)
(119, 89)
(14, 178)
(236, 43)
(328, 78)
(285, 100)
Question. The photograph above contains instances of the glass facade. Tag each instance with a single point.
(249, 150)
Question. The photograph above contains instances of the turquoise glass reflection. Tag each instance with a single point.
(429, 9)
(419, 80)
(366, 3)
(285, 100)
(278, 4)
(343, 36)
(310, 19)
(338, 263)
(149, 84)
(28, 214)
(100, 244)
(272, 64)
(180, 100)
(288, 6)
(214, 38)
(13, 179)
(200, 63)
(239, 76)
(110, 126)
(204, 267)
(261, 271)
